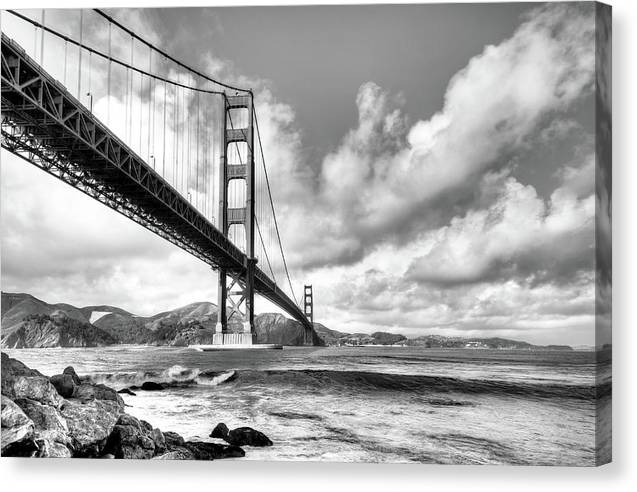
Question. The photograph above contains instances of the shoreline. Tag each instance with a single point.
(64, 416)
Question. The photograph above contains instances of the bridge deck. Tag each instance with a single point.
(43, 123)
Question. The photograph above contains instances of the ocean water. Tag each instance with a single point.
(368, 404)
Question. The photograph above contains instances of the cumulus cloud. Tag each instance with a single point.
(389, 180)
(517, 236)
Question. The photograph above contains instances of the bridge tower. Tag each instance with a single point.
(308, 304)
(236, 287)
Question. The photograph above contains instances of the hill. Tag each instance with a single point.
(31, 322)
(55, 330)
(338, 338)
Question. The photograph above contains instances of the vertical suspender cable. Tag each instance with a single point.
(163, 159)
(108, 82)
(35, 42)
(175, 119)
(189, 153)
(183, 142)
(152, 100)
(177, 125)
(79, 65)
(129, 88)
(141, 110)
(90, 59)
(66, 50)
(42, 41)
(150, 81)
(197, 159)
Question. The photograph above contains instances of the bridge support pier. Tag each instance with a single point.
(235, 324)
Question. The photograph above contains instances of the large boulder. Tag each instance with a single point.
(131, 439)
(160, 441)
(64, 384)
(50, 448)
(220, 431)
(152, 386)
(172, 439)
(36, 388)
(51, 431)
(87, 392)
(90, 423)
(19, 381)
(213, 451)
(17, 428)
(71, 372)
(177, 454)
(13, 367)
(241, 436)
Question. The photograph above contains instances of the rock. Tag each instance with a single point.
(36, 388)
(18, 381)
(177, 454)
(220, 431)
(64, 384)
(27, 448)
(51, 449)
(247, 436)
(13, 367)
(151, 386)
(51, 432)
(16, 427)
(107, 456)
(90, 424)
(241, 436)
(160, 441)
(44, 417)
(131, 439)
(127, 391)
(213, 451)
(71, 372)
(173, 439)
(87, 392)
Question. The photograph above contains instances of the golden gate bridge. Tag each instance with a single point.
(108, 112)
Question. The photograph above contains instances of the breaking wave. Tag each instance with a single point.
(179, 376)
(174, 376)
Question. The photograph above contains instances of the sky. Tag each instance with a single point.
(433, 168)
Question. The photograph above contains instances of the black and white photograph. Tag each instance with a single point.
(310, 233)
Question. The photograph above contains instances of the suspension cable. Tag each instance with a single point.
(108, 57)
(174, 60)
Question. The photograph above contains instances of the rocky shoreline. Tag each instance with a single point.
(65, 416)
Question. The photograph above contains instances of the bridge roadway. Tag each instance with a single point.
(47, 126)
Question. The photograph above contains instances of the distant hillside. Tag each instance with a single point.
(329, 337)
(31, 322)
(55, 330)
(15, 307)
(333, 337)
(276, 328)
